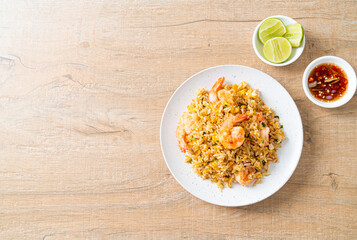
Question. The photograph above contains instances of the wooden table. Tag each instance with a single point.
(82, 89)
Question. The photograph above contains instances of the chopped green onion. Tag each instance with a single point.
(193, 139)
(264, 125)
(275, 139)
(240, 104)
(224, 106)
(262, 140)
(263, 162)
(276, 116)
(248, 135)
(281, 126)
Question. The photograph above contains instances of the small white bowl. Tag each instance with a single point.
(351, 77)
(258, 45)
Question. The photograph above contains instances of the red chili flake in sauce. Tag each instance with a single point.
(327, 82)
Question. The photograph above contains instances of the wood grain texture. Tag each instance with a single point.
(83, 85)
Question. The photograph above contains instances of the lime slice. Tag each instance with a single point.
(294, 33)
(277, 50)
(271, 28)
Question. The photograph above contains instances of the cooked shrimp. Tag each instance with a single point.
(242, 177)
(185, 127)
(213, 94)
(265, 131)
(227, 96)
(232, 137)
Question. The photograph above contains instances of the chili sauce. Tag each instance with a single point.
(327, 82)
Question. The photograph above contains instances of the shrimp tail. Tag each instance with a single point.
(213, 97)
(218, 84)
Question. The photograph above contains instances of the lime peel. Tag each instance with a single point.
(294, 33)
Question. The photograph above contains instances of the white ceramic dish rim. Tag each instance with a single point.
(351, 76)
(292, 59)
(209, 201)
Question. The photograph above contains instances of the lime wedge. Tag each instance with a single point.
(270, 28)
(294, 33)
(277, 50)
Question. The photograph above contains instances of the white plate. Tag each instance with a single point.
(274, 95)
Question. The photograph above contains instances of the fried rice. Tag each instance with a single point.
(201, 128)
